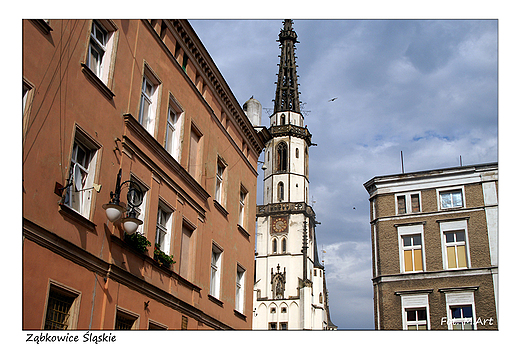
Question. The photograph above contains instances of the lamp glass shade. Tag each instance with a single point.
(113, 211)
(131, 224)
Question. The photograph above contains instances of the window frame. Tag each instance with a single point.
(86, 193)
(440, 191)
(172, 140)
(149, 78)
(243, 198)
(406, 231)
(123, 313)
(142, 210)
(165, 229)
(408, 207)
(55, 287)
(104, 70)
(415, 302)
(452, 227)
(282, 161)
(215, 271)
(240, 288)
(220, 181)
(460, 299)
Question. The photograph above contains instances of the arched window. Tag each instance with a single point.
(275, 246)
(281, 155)
(284, 245)
(282, 119)
(321, 298)
(297, 153)
(280, 191)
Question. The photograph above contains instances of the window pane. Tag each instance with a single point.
(421, 315)
(456, 312)
(401, 205)
(408, 266)
(415, 203)
(412, 328)
(411, 315)
(450, 237)
(466, 311)
(422, 327)
(451, 257)
(460, 236)
(407, 241)
(417, 259)
(457, 199)
(416, 239)
(461, 255)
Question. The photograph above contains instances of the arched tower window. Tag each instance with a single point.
(282, 119)
(281, 155)
(297, 153)
(275, 246)
(284, 245)
(280, 191)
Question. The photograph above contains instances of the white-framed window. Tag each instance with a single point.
(451, 198)
(415, 312)
(411, 248)
(455, 252)
(163, 230)
(460, 309)
(173, 130)
(101, 48)
(239, 291)
(219, 181)
(79, 192)
(408, 203)
(242, 207)
(62, 308)
(216, 257)
(148, 103)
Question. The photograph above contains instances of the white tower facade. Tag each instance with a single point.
(290, 289)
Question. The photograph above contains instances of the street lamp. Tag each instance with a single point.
(114, 210)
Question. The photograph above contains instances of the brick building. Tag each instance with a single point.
(142, 98)
(434, 248)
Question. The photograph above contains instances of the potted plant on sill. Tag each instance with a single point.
(138, 242)
(162, 258)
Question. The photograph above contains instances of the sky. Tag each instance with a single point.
(427, 88)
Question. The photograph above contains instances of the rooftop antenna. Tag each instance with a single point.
(460, 160)
(402, 163)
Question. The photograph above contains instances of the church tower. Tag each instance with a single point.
(290, 290)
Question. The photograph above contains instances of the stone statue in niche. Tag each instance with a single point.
(278, 283)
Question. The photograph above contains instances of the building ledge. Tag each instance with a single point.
(220, 208)
(414, 291)
(97, 82)
(215, 300)
(243, 231)
(240, 315)
(457, 289)
(65, 210)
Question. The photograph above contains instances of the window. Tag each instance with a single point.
(219, 179)
(280, 191)
(193, 160)
(415, 311)
(284, 245)
(408, 203)
(216, 254)
(239, 293)
(163, 231)
(186, 251)
(416, 319)
(460, 307)
(156, 326)
(79, 191)
(282, 119)
(297, 153)
(184, 62)
(283, 326)
(284, 310)
(281, 157)
(272, 326)
(412, 253)
(242, 207)
(172, 139)
(62, 309)
(101, 48)
(451, 199)
(461, 317)
(125, 321)
(148, 103)
(184, 324)
(455, 248)
(410, 241)
(275, 246)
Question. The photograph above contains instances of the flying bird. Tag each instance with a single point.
(332, 99)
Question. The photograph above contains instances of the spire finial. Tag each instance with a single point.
(287, 96)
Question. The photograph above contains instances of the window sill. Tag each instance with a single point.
(240, 315)
(243, 231)
(72, 214)
(215, 300)
(220, 208)
(97, 82)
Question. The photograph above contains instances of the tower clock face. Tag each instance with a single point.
(279, 224)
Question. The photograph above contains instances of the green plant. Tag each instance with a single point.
(138, 241)
(162, 257)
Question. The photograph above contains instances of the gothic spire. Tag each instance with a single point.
(287, 97)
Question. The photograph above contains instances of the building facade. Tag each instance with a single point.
(290, 290)
(143, 99)
(434, 248)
